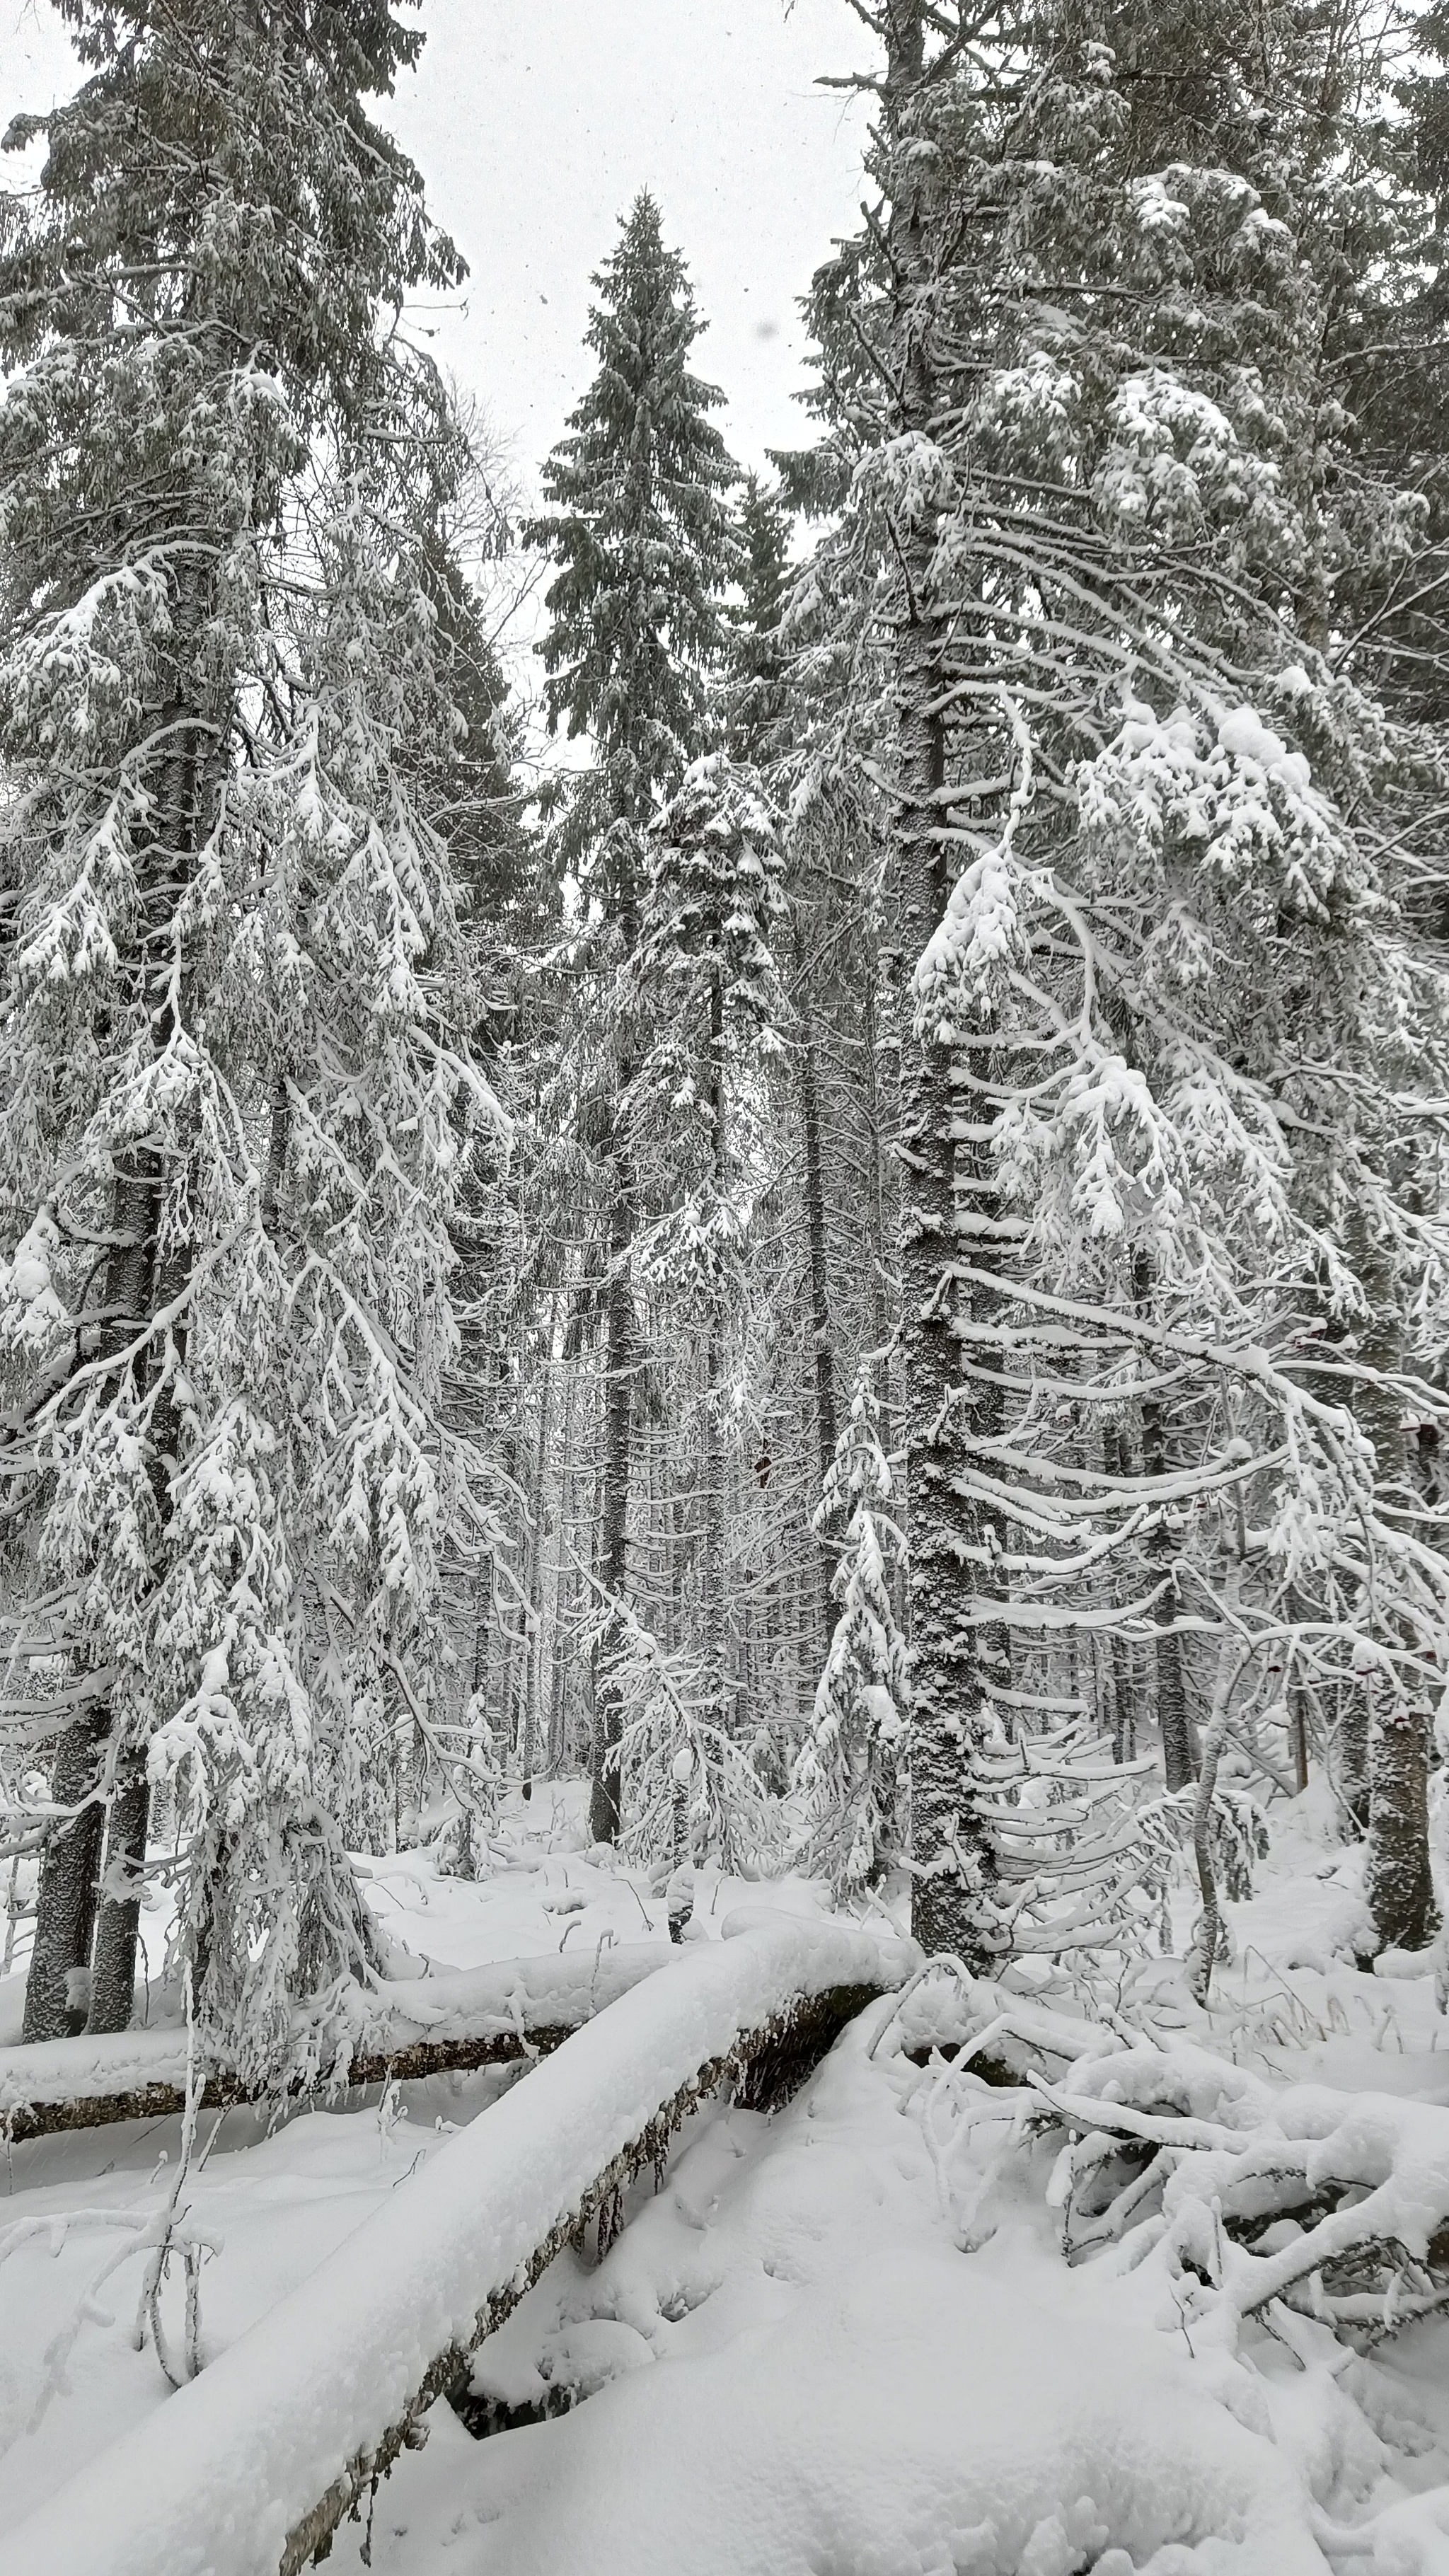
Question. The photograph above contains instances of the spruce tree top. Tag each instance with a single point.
(191, 294)
(641, 532)
(760, 695)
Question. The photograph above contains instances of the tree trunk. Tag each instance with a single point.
(1124, 1704)
(1179, 1746)
(712, 1519)
(1297, 1700)
(876, 1121)
(614, 1504)
(65, 1908)
(883, 1106)
(711, 1554)
(982, 1403)
(1209, 1939)
(113, 1978)
(1397, 1881)
(186, 793)
(562, 1585)
(533, 1649)
(113, 1969)
(953, 1858)
(822, 1348)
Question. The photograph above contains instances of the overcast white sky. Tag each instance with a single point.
(535, 122)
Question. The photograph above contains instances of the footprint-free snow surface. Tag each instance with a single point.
(840, 2340)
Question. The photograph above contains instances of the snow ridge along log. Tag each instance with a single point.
(249, 2469)
(429, 2025)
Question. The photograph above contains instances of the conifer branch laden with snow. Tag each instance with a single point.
(639, 530)
(688, 1790)
(851, 1772)
(1079, 591)
(233, 1025)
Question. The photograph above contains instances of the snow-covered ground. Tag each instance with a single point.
(841, 2340)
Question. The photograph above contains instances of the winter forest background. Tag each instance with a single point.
(721, 1214)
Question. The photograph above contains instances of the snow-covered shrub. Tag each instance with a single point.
(851, 1772)
(688, 1790)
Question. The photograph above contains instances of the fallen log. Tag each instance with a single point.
(401, 2030)
(249, 2469)
(1253, 2196)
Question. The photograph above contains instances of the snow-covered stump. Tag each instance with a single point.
(250, 2467)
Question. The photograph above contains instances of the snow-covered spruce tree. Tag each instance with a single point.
(709, 988)
(887, 388)
(640, 529)
(851, 1771)
(688, 1788)
(759, 700)
(1091, 480)
(238, 1108)
(763, 706)
(1385, 359)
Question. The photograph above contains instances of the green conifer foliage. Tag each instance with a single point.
(641, 531)
(232, 987)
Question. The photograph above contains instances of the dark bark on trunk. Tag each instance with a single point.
(983, 1408)
(614, 1507)
(883, 1113)
(1124, 1703)
(113, 1978)
(113, 1970)
(562, 1586)
(827, 1427)
(1297, 1696)
(952, 1852)
(66, 1903)
(1179, 1747)
(711, 1557)
(1397, 1880)
(187, 788)
(70, 1865)
(533, 1649)
(950, 1843)
(712, 1521)
(822, 1348)
(875, 1176)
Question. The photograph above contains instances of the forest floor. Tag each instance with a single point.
(842, 2339)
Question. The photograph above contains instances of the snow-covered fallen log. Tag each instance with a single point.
(399, 2029)
(249, 2468)
(1256, 2196)
(1252, 2197)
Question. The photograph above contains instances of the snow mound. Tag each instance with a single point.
(913, 2417)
